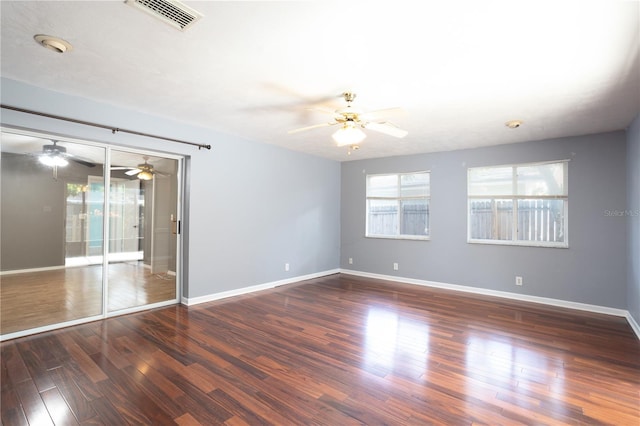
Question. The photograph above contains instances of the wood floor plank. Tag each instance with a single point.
(12, 412)
(14, 369)
(73, 396)
(34, 408)
(88, 366)
(338, 350)
(58, 409)
(107, 412)
(31, 354)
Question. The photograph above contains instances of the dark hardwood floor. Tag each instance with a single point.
(338, 350)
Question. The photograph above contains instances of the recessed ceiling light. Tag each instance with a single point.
(513, 124)
(53, 43)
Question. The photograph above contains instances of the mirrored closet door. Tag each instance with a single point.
(143, 200)
(86, 231)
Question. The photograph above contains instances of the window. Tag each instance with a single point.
(524, 204)
(398, 205)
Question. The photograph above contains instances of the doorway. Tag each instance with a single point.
(86, 231)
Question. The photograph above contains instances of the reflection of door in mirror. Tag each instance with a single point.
(124, 219)
(84, 221)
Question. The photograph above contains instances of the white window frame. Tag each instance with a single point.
(515, 197)
(398, 199)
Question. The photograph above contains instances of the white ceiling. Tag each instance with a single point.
(459, 69)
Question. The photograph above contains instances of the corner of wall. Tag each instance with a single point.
(633, 223)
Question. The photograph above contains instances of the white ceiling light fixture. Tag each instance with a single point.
(53, 160)
(54, 155)
(513, 124)
(348, 134)
(56, 44)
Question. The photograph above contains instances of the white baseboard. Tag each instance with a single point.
(496, 293)
(24, 271)
(466, 289)
(634, 325)
(189, 301)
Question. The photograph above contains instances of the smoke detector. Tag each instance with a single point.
(53, 43)
(171, 12)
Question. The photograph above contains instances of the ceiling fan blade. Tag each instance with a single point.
(380, 113)
(324, 110)
(122, 168)
(315, 126)
(386, 128)
(83, 162)
(132, 172)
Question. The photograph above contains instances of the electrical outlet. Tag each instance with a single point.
(518, 280)
(351, 261)
(286, 266)
(395, 266)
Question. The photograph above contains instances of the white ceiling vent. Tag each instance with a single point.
(171, 12)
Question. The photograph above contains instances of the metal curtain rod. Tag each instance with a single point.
(114, 130)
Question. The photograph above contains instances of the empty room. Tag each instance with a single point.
(320, 213)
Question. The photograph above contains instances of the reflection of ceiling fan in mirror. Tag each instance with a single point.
(352, 120)
(144, 171)
(55, 155)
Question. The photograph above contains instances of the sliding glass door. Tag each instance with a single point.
(143, 202)
(86, 231)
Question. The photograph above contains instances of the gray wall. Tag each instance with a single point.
(633, 218)
(32, 211)
(252, 207)
(592, 270)
(32, 215)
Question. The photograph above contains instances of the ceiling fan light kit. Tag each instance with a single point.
(53, 155)
(144, 171)
(145, 175)
(53, 160)
(348, 134)
(352, 120)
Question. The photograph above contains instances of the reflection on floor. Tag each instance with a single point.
(35, 299)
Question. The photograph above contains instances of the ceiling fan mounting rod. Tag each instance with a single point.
(114, 130)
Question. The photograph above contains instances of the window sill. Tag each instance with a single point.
(400, 237)
(520, 243)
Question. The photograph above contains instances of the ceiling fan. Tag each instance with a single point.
(144, 171)
(55, 155)
(351, 120)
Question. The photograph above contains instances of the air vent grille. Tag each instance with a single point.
(172, 12)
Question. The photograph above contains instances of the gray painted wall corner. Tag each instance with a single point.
(633, 219)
